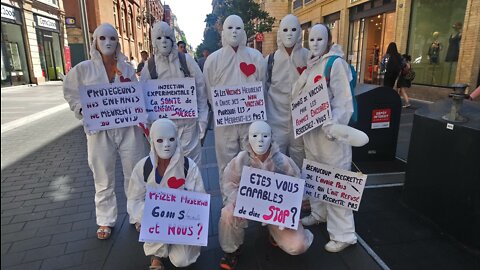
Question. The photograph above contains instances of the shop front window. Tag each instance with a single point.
(435, 38)
(14, 69)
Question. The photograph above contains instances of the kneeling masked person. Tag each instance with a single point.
(262, 154)
(167, 159)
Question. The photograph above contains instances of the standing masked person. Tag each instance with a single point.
(168, 63)
(166, 160)
(283, 69)
(107, 65)
(232, 65)
(261, 153)
(320, 143)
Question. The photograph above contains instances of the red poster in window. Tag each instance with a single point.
(68, 61)
(381, 118)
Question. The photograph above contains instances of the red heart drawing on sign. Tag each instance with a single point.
(122, 79)
(317, 78)
(301, 69)
(247, 69)
(173, 182)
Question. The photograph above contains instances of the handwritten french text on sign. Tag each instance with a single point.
(115, 105)
(311, 109)
(234, 105)
(172, 99)
(174, 216)
(381, 118)
(269, 197)
(333, 185)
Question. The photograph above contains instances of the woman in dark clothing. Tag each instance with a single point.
(403, 83)
(394, 65)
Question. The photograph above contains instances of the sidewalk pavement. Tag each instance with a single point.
(48, 218)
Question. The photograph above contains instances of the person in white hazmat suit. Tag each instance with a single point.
(107, 65)
(289, 61)
(263, 154)
(167, 64)
(320, 143)
(234, 64)
(167, 160)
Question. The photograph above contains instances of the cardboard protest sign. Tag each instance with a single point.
(114, 105)
(269, 197)
(174, 216)
(332, 185)
(311, 108)
(234, 105)
(172, 99)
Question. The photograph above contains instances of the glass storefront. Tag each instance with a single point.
(14, 68)
(434, 39)
(369, 39)
(50, 51)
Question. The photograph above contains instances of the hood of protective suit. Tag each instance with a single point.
(230, 24)
(176, 165)
(95, 54)
(162, 29)
(290, 21)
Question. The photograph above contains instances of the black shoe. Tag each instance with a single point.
(229, 260)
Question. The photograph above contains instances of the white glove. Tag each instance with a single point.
(78, 111)
(281, 228)
(203, 129)
(264, 224)
(346, 134)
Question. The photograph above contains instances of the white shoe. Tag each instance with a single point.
(334, 246)
(311, 220)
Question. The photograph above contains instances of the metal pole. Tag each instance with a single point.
(149, 28)
(85, 30)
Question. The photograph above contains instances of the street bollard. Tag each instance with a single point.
(457, 96)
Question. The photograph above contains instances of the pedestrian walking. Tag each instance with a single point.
(392, 61)
(405, 79)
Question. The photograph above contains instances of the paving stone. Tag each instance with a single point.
(23, 266)
(18, 211)
(45, 222)
(6, 188)
(64, 262)
(87, 244)
(28, 217)
(29, 244)
(75, 217)
(28, 197)
(95, 255)
(11, 205)
(70, 236)
(12, 259)
(50, 206)
(6, 220)
(5, 248)
(44, 252)
(54, 229)
(62, 211)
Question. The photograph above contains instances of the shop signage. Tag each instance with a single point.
(381, 118)
(46, 23)
(50, 2)
(70, 21)
(8, 12)
(259, 37)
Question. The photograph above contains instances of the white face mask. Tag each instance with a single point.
(161, 37)
(318, 40)
(232, 28)
(107, 40)
(289, 30)
(260, 137)
(165, 141)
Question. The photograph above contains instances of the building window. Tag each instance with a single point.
(115, 14)
(123, 12)
(297, 4)
(130, 26)
(434, 40)
(139, 18)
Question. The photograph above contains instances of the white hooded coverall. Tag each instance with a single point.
(222, 68)
(102, 146)
(179, 255)
(285, 72)
(168, 67)
(319, 148)
(232, 229)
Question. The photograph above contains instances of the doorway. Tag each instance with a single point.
(369, 39)
(50, 55)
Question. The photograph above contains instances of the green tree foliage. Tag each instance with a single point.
(255, 19)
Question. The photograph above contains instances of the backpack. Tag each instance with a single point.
(353, 83)
(148, 167)
(408, 73)
(152, 68)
